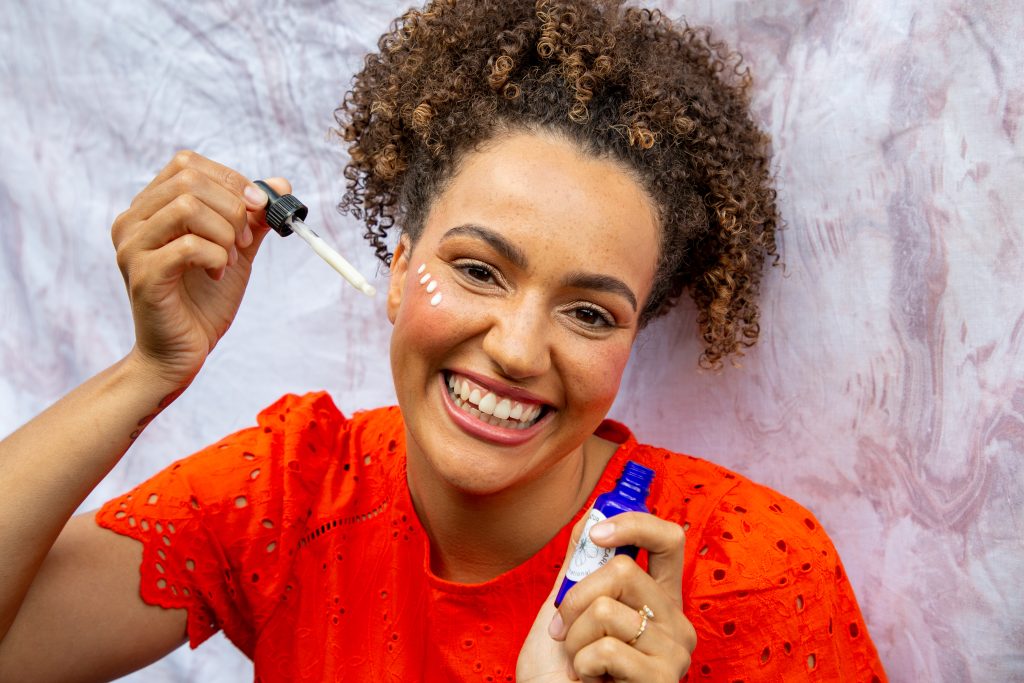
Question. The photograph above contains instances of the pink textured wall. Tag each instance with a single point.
(886, 394)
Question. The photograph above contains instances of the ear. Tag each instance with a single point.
(399, 269)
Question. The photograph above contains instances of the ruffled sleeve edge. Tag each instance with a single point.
(153, 589)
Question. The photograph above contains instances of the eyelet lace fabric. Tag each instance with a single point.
(298, 538)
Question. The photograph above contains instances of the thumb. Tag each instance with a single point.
(258, 217)
(574, 538)
(280, 185)
(542, 657)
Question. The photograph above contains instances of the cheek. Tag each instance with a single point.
(430, 285)
(596, 375)
(435, 311)
(425, 293)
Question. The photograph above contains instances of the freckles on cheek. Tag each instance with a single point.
(428, 310)
(600, 374)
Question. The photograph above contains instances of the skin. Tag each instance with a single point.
(528, 322)
(185, 247)
(522, 327)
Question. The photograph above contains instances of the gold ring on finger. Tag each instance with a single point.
(646, 614)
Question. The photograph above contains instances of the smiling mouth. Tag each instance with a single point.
(492, 408)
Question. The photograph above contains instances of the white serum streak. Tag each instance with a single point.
(436, 299)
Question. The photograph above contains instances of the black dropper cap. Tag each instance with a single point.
(281, 209)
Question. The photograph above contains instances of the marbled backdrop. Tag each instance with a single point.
(886, 394)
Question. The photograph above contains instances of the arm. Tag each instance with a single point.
(69, 591)
(46, 469)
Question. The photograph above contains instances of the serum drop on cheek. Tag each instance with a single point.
(430, 284)
(629, 495)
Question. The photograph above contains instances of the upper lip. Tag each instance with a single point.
(501, 388)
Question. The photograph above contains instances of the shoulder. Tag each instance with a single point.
(729, 518)
(274, 470)
(239, 508)
(294, 443)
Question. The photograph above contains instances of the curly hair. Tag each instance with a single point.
(665, 101)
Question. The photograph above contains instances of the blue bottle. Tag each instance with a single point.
(629, 495)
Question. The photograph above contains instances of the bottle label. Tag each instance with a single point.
(588, 557)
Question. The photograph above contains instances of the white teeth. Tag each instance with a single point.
(503, 409)
(489, 407)
(488, 403)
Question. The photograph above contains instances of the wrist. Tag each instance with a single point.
(145, 372)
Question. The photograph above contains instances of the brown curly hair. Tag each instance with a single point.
(665, 101)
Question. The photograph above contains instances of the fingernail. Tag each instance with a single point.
(602, 531)
(255, 196)
(246, 238)
(556, 626)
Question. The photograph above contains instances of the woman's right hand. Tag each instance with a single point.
(185, 247)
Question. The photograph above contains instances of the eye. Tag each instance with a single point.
(592, 317)
(477, 273)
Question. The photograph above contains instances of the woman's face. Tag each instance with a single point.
(521, 299)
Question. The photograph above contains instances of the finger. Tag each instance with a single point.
(621, 579)
(193, 182)
(227, 177)
(664, 541)
(607, 617)
(257, 220)
(556, 628)
(613, 658)
(188, 252)
(280, 185)
(253, 199)
(185, 215)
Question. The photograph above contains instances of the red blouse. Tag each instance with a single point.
(299, 539)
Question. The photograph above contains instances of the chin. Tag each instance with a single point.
(472, 468)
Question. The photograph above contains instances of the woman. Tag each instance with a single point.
(560, 175)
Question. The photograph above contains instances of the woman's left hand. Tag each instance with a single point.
(592, 636)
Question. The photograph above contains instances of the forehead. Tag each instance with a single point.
(549, 198)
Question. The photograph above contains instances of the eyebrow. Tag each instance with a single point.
(601, 283)
(513, 254)
(501, 245)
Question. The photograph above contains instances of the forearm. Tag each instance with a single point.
(49, 465)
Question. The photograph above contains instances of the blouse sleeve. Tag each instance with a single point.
(219, 527)
(770, 598)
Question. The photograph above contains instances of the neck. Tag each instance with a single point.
(474, 538)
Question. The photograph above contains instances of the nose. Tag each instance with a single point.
(518, 340)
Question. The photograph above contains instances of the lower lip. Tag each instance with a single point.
(489, 432)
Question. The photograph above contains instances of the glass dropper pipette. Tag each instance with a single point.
(285, 214)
